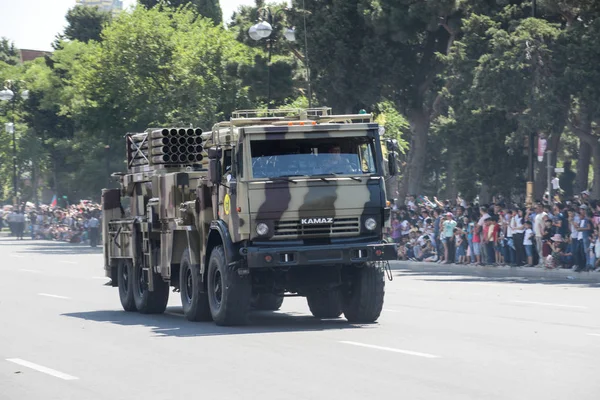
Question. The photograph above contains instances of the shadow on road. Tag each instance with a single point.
(456, 277)
(173, 323)
(28, 246)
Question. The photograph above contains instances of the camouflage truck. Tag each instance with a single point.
(266, 205)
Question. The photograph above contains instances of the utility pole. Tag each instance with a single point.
(530, 178)
(549, 167)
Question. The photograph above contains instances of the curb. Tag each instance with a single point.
(497, 272)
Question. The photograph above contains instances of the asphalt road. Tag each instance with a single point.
(63, 335)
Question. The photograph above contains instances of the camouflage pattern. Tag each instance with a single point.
(175, 203)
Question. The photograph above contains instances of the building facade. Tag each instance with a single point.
(104, 5)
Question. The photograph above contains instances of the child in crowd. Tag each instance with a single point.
(528, 238)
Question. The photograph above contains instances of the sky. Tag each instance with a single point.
(33, 24)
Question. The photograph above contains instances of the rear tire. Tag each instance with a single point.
(194, 302)
(267, 301)
(364, 301)
(148, 302)
(125, 283)
(327, 304)
(229, 294)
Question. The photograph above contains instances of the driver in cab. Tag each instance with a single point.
(335, 163)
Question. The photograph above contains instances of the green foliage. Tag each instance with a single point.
(207, 8)
(395, 124)
(8, 52)
(286, 56)
(459, 83)
(86, 23)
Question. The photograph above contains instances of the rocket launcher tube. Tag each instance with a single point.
(161, 141)
(161, 159)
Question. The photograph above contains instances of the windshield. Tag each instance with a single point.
(324, 156)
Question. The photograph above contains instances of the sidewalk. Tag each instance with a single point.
(497, 272)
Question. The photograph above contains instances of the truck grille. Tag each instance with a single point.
(340, 227)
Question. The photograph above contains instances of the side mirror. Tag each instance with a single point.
(214, 171)
(393, 163)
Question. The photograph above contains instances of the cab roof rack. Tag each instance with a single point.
(267, 117)
(241, 118)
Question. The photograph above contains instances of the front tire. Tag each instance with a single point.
(327, 304)
(364, 301)
(148, 302)
(229, 294)
(194, 302)
(125, 283)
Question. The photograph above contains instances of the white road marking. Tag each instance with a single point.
(52, 295)
(45, 370)
(17, 256)
(100, 277)
(410, 353)
(68, 262)
(30, 270)
(548, 304)
(594, 334)
(392, 311)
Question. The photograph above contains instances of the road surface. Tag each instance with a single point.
(64, 336)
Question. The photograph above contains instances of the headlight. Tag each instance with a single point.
(262, 229)
(370, 224)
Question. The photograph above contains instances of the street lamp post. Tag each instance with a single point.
(11, 94)
(263, 30)
(530, 172)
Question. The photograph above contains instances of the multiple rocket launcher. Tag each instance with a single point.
(166, 147)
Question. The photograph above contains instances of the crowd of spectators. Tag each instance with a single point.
(547, 234)
(77, 223)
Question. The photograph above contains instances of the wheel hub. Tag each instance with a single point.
(189, 285)
(125, 278)
(217, 292)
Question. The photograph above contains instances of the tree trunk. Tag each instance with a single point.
(541, 178)
(34, 181)
(583, 167)
(415, 167)
(451, 189)
(484, 195)
(55, 178)
(596, 182)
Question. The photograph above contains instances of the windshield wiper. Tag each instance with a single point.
(280, 178)
(335, 175)
(321, 177)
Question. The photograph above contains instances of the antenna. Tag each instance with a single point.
(306, 58)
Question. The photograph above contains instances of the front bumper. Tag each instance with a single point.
(333, 254)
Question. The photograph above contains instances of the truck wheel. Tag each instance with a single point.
(229, 294)
(325, 304)
(267, 301)
(194, 302)
(148, 302)
(124, 270)
(364, 301)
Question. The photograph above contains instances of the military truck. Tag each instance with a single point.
(269, 204)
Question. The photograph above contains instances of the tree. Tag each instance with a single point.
(288, 80)
(362, 50)
(583, 78)
(153, 68)
(344, 74)
(8, 52)
(86, 23)
(207, 8)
